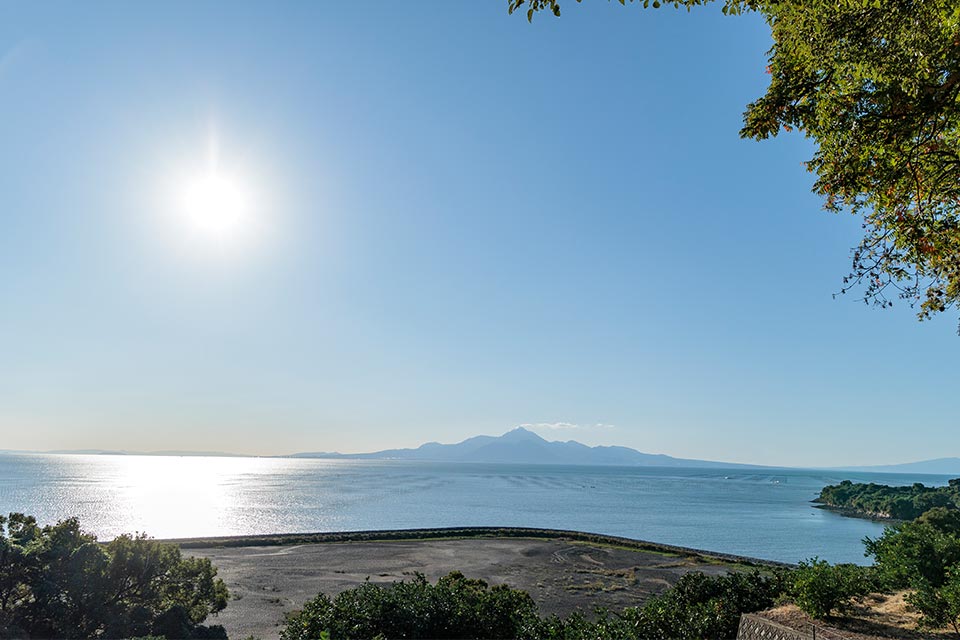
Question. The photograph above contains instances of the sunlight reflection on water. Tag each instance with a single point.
(764, 513)
(166, 496)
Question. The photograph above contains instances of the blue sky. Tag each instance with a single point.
(462, 223)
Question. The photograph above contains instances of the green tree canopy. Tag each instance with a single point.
(900, 503)
(875, 84)
(57, 581)
(914, 553)
(923, 556)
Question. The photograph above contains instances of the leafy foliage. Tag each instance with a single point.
(924, 555)
(703, 607)
(57, 581)
(819, 588)
(456, 607)
(939, 607)
(553, 6)
(876, 85)
(942, 519)
(913, 554)
(901, 503)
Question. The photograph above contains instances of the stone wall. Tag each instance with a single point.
(754, 627)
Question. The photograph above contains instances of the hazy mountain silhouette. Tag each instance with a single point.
(945, 466)
(525, 447)
(522, 446)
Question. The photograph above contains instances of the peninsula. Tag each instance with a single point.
(882, 502)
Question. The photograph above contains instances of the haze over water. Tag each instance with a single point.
(763, 513)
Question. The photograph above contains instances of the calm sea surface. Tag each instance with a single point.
(764, 514)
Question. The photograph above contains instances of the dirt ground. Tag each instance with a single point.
(874, 617)
(562, 576)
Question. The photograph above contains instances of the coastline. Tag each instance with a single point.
(850, 512)
(467, 533)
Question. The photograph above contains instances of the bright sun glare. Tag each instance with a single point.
(216, 205)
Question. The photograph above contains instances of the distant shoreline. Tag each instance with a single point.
(851, 512)
(459, 533)
(402, 455)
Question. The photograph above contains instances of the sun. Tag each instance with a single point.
(216, 205)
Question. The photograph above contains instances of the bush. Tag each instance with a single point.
(57, 581)
(456, 607)
(819, 588)
(699, 607)
(939, 606)
(943, 519)
(914, 553)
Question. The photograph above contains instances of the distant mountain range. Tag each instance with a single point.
(944, 466)
(522, 446)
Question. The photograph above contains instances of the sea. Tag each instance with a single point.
(761, 513)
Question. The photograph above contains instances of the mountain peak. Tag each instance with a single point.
(523, 446)
(520, 433)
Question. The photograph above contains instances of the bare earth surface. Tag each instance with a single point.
(562, 576)
(875, 617)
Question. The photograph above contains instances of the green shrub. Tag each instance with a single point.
(456, 607)
(939, 606)
(57, 581)
(819, 588)
(702, 607)
(943, 519)
(699, 607)
(914, 553)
